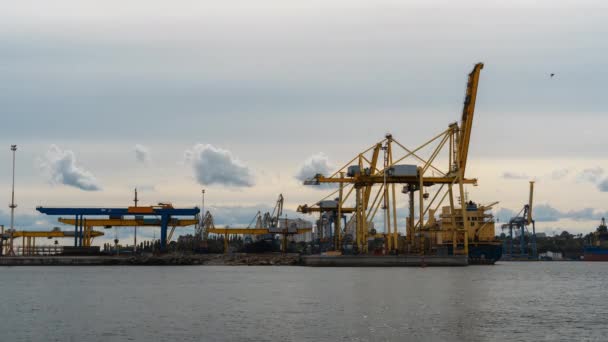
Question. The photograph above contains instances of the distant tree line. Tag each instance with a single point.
(570, 245)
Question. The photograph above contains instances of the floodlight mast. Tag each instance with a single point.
(12, 206)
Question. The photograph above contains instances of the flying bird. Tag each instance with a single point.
(552, 75)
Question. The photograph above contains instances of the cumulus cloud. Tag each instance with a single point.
(592, 175)
(514, 175)
(546, 213)
(504, 214)
(214, 165)
(23, 221)
(142, 154)
(603, 185)
(596, 176)
(62, 168)
(315, 164)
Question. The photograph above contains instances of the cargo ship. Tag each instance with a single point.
(598, 248)
(441, 235)
(484, 248)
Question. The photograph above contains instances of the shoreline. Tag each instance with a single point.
(239, 259)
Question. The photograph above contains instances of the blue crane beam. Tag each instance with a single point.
(165, 214)
(117, 211)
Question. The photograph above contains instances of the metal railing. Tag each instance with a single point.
(38, 250)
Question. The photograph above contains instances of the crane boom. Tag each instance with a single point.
(256, 231)
(278, 209)
(50, 234)
(129, 222)
(277, 212)
(468, 111)
(372, 170)
(530, 202)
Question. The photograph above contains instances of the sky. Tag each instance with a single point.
(243, 98)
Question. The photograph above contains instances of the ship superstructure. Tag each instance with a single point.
(597, 250)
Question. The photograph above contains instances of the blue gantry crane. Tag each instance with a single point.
(520, 223)
(163, 211)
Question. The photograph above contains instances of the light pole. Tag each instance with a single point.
(12, 205)
(203, 205)
(135, 200)
(2, 239)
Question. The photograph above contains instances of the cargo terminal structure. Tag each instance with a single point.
(431, 176)
(263, 227)
(360, 222)
(163, 215)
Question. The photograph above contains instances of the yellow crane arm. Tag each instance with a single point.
(244, 231)
(50, 234)
(488, 206)
(128, 222)
(305, 209)
(372, 170)
(379, 179)
(252, 231)
(467, 116)
(304, 230)
(530, 202)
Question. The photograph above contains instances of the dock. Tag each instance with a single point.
(236, 259)
(384, 260)
(241, 259)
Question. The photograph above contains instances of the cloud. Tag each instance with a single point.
(142, 154)
(603, 185)
(592, 175)
(62, 168)
(546, 213)
(504, 214)
(514, 175)
(214, 165)
(584, 214)
(23, 221)
(315, 164)
(595, 176)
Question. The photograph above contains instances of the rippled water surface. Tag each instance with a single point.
(552, 301)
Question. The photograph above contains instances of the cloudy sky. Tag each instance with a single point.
(244, 98)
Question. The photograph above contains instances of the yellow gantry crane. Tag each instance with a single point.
(28, 242)
(122, 222)
(367, 177)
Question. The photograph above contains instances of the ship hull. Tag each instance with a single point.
(595, 254)
(482, 253)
